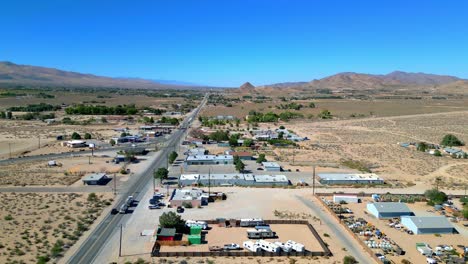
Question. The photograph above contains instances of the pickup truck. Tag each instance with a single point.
(231, 247)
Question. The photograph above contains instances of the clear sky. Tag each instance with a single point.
(226, 43)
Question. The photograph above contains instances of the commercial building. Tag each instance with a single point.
(195, 197)
(350, 178)
(233, 179)
(209, 160)
(271, 166)
(96, 179)
(428, 224)
(389, 209)
(338, 198)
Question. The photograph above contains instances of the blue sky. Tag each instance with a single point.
(226, 43)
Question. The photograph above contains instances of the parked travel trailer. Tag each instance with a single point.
(260, 233)
(295, 246)
(252, 246)
(251, 222)
(285, 247)
(269, 246)
(191, 223)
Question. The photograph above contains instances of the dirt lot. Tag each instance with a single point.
(345, 108)
(218, 236)
(69, 171)
(408, 242)
(46, 224)
(374, 142)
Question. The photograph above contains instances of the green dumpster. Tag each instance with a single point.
(194, 239)
(195, 230)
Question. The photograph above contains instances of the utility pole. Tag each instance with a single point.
(154, 180)
(9, 147)
(89, 160)
(39, 140)
(120, 242)
(209, 182)
(115, 185)
(313, 180)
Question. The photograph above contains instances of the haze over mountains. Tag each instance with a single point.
(371, 81)
(15, 74)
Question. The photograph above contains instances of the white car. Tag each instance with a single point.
(231, 247)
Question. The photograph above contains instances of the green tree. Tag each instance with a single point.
(87, 136)
(247, 142)
(124, 134)
(437, 153)
(75, 136)
(325, 114)
(311, 105)
(219, 136)
(112, 142)
(282, 127)
(173, 156)
(161, 174)
(9, 115)
(172, 220)
(349, 260)
(451, 140)
(435, 196)
(465, 212)
(240, 166)
(233, 140)
(2, 115)
(261, 158)
(422, 146)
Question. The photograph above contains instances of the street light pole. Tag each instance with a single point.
(120, 241)
(313, 180)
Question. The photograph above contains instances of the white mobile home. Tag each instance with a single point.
(339, 198)
(295, 246)
(251, 222)
(252, 246)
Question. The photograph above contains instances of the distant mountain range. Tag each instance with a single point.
(15, 74)
(361, 81)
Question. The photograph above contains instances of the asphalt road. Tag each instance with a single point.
(99, 236)
(348, 242)
(67, 154)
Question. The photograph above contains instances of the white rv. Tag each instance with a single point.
(269, 246)
(285, 247)
(252, 246)
(295, 246)
(123, 209)
(251, 222)
(202, 224)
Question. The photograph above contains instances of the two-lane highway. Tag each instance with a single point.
(100, 235)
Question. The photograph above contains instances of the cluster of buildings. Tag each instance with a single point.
(349, 178)
(209, 159)
(231, 179)
(450, 151)
(417, 224)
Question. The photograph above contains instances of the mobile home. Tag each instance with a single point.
(269, 246)
(251, 222)
(260, 233)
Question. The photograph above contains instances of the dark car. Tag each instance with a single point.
(180, 209)
(154, 207)
(114, 211)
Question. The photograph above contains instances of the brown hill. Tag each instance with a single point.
(14, 74)
(247, 87)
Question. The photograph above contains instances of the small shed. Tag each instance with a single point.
(165, 234)
(96, 179)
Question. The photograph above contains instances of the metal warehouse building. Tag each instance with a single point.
(231, 179)
(350, 178)
(389, 209)
(428, 224)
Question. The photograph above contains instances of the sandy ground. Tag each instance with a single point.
(31, 224)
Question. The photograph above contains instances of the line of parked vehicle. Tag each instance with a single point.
(273, 247)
